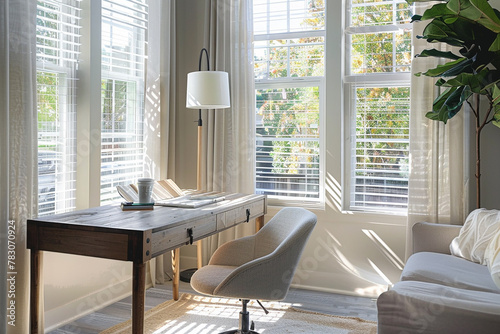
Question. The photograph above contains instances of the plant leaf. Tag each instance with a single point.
(496, 95)
(436, 11)
(416, 18)
(496, 105)
(451, 68)
(491, 79)
(495, 46)
(464, 8)
(439, 111)
(475, 82)
(438, 30)
(489, 19)
(441, 82)
(478, 11)
(437, 53)
(455, 101)
(448, 104)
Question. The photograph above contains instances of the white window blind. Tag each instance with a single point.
(288, 141)
(58, 42)
(124, 27)
(289, 70)
(378, 37)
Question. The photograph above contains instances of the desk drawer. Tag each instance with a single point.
(238, 215)
(175, 237)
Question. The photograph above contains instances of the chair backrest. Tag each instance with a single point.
(277, 250)
(285, 229)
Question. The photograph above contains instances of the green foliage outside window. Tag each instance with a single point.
(382, 130)
(47, 98)
(290, 113)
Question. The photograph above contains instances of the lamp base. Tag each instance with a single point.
(186, 275)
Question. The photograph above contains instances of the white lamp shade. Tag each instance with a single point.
(207, 90)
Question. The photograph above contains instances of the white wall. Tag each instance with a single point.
(490, 161)
(190, 18)
(490, 168)
(78, 285)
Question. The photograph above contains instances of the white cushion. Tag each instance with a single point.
(449, 270)
(479, 227)
(492, 258)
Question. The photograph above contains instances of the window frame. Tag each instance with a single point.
(86, 90)
(66, 71)
(134, 74)
(350, 83)
(291, 82)
(302, 82)
(350, 142)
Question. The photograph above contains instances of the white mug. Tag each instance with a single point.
(145, 189)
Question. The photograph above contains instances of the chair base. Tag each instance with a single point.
(245, 327)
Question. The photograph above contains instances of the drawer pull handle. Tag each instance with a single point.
(248, 215)
(190, 234)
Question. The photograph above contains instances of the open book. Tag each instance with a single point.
(190, 201)
(167, 193)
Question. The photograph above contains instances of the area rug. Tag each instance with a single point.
(193, 314)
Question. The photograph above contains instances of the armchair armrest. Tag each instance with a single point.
(428, 237)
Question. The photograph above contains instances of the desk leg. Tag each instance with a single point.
(259, 223)
(138, 294)
(176, 260)
(35, 293)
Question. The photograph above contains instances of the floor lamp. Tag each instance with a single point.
(205, 90)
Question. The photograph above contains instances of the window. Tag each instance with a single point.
(123, 41)
(378, 52)
(289, 70)
(57, 41)
(122, 99)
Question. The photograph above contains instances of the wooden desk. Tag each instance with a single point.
(136, 236)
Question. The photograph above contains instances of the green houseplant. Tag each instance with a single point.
(471, 74)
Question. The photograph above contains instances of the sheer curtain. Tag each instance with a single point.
(438, 179)
(228, 136)
(18, 143)
(159, 122)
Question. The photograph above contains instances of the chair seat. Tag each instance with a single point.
(206, 279)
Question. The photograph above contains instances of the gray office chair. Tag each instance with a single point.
(260, 266)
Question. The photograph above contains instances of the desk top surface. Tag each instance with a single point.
(112, 216)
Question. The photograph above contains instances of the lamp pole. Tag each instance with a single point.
(199, 253)
(206, 90)
(200, 125)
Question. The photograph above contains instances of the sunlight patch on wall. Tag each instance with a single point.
(384, 248)
(333, 192)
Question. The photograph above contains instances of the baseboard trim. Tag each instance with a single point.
(90, 303)
(357, 287)
(329, 290)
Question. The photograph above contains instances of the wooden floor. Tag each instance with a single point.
(322, 302)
